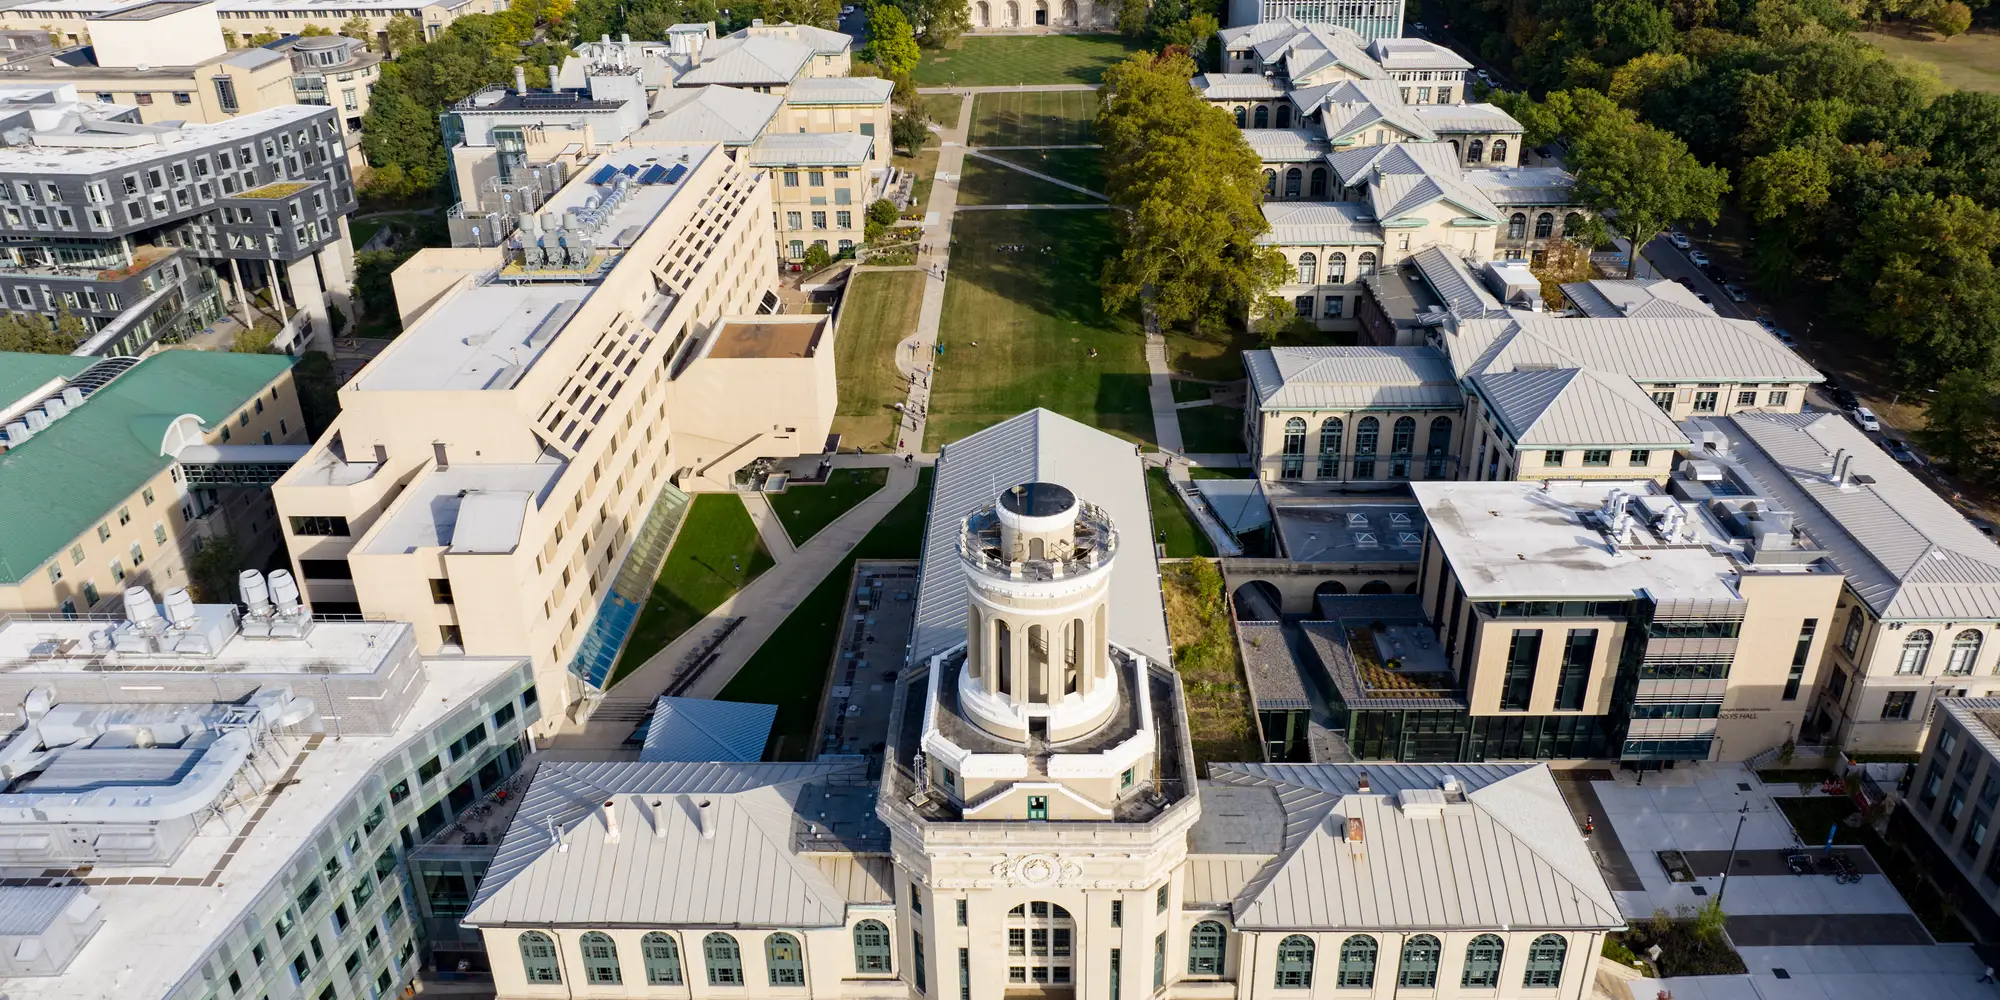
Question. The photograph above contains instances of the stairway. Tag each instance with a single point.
(598, 652)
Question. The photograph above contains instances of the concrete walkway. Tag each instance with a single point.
(1087, 206)
(916, 353)
(1059, 182)
(1166, 417)
(777, 540)
(1006, 89)
(763, 606)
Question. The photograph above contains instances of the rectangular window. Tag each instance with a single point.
(1704, 402)
(1798, 672)
(816, 178)
(1596, 457)
(917, 961)
(795, 220)
(964, 974)
(1160, 900)
(1552, 458)
(791, 178)
(844, 220)
(1017, 941)
(960, 907)
(1117, 913)
(1665, 400)
(326, 569)
(819, 220)
(1115, 970)
(323, 527)
(1898, 704)
(1746, 398)
(1578, 652)
(440, 591)
(1519, 683)
(1159, 961)
(1639, 458)
(1777, 398)
(916, 901)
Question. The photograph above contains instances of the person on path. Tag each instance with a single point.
(1987, 976)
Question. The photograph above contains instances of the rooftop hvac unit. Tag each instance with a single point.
(139, 607)
(73, 396)
(255, 593)
(18, 433)
(55, 407)
(37, 420)
(180, 607)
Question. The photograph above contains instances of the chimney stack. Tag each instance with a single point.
(520, 80)
(610, 822)
(1362, 785)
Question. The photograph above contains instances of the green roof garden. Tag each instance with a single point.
(59, 483)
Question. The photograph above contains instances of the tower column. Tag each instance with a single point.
(989, 628)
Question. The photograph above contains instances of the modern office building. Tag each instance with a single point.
(208, 802)
(118, 470)
(148, 233)
(1039, 825)
(1953, 796)
(1919, 617)
(70, 20)
(504, 475)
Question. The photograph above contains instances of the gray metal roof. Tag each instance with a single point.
(1679, 349)
(696, 729)
(840, 90)
(811, 149)
(673, 862)
(1351, 106)
(1320, 223)
(729, 115)
(1286, 145)
(1525, 186)
(1351, 378)
(1645, 298)
(1466, 118)
(1041, 446)
(1508, 857)
(1414, 53)
(1452, 279)
(1576, 407)
(1403, 177)
(1904, 550)
(26, 911)
(1237, 87)
(738, 61)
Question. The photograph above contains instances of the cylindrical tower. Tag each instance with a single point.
(1037, 662)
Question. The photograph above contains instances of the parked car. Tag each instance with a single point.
(1735, 293)
(1714, 273)
(1679, 240)
(1785, 337)
(1845, 399)
(1899, 450)
(1867, 419)
(1419, 28)
(1685, 282)
(1985, 527)
(1705, 300)
(1765, 322)
(1698, 258)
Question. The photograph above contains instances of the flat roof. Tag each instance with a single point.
(158, 141)
(58, 645)
(151, 11)
(1348, 531)
(767, 338)
(159, 921)
(466, 508)
(1527, 540)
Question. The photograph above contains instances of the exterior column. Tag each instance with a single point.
(311, 300)
(339, 281)
(1017, 662)
(975, 640)
(242, 300)
(989, 637)
(277, 292)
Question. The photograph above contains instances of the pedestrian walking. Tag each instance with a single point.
(1987, 976)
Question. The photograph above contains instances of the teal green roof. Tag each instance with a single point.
(21, 374)
(62, 481)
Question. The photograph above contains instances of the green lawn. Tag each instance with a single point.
(1211, 429)
(804, 510)
(1216, 472)
(983, 183)
(943, 109)
(1084, 167)
(714, 555)
(361, 232)
(1969, 62)
(1214, 358)
(1000, 60)
(1188, 391)
(1019, 327)
(1034, 118)
(1171, 520)
(879, 311)
(790, 668)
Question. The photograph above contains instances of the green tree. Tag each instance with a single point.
(265, 37)
(882, 211)
(314, 31)
(255, 340)
(405, 33)
(1932, 296)
(32, 333)
(1959, 421)
(374, 290)
(1791, 179)
(909, 129)
(892, 45)
(939, 22)
(1192, 34)
(817, 257)
(1641, 176)
(213, 569)
(359, 27)
(1191, 190)
(1948, 19)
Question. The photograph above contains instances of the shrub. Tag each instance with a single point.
(882, 211)
(817, 257)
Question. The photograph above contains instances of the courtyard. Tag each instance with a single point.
(879, 311)
(1034, 118)
(1007, 60)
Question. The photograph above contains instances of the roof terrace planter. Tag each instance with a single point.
(272, 192)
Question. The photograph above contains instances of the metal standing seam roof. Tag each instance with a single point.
(1041, 446)
(56, 485)
(1512, 859)
(822, 41)
(1354, 105)
(811, 149)
(1680, 349)
(1525, 185)
(1903, 549)
(1453, 281)
(1340, 378)
(660, 870)
(26, 911)
(840, 90)
(1320, 223)
(696, 729)
(1414, 53)
(757, 60)
(1286, 145)
(1575, 407)
(729, 115)
(1649, 298)
(1237, 87)
(1466, 118)
(1319, 46)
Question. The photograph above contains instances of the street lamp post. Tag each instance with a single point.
(1741, 815)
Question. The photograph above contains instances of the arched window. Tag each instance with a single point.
(1292, 179)
(663, 959)
(1284, 116)
(1419, 968)
(1545, 225)
(1545, 962)
(1402, 440)
(1242, 117)
(1572, 222)
(1916, 652)
(1357, 963)
(1437, 452)
(725, 963)
(1964, 652)
(785, 960)
(1308, 267)
(1475, 151)
(600, 959)
(871, 947)
(1295, 963)
(538, 958)
(1205, 949)
(1330, 431)
(1499, 150)
(1295, 436)
(1270, 183)
(1517, 227)
(1263, 116)
(1317, 187)
(1336, 268)
(1366, 435)
(1367, 265)
(1377, 587)
(1482, 962)
(1851, 639)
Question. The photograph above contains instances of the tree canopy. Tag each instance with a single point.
(1189, 190)
(892, 44)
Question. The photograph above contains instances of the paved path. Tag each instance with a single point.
(763, 606)
(1086, 145)
(1011, 165)
(776, 539)
(1166, 417)
(917, 352)
(1087, 206)
(1015, 89)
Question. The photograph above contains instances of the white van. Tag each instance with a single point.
(1867, 419)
